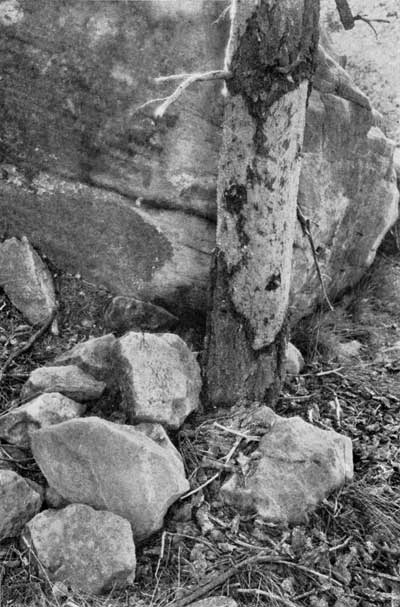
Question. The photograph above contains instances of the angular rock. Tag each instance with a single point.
(26, 280)
(294, 360)
(20, 500)
(294, 468)
(17, 425)
(69, 380)
(128, 313)
(159, 377)
(86, 550)
(94, 356)
(135, 472)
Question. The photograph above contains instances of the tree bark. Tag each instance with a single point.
(271, 55)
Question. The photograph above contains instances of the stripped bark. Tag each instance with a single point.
(271, 58)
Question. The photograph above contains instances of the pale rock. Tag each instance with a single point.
(128, 313)
(159, 377)
(295, 466)
(135, 472)
(17, 425)
(86, 550)
(294, 362)
(26, 280)
(347, 350)
(94, 356)
(69, 380)
(20, 500)
(215, 601)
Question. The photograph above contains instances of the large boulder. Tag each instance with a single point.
(134, 472)
(86, 550)
(347, 167)
(295, 466)
(26, 280)
(69, 380)
(159, 377)
(148, 227)
(20, 500)
(17, 425)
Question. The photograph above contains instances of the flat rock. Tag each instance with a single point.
(69, 380)
(294, 360)
(26, 280)
(135, 472)
(94, 356)
(159, 377)
(20, 500)
(128, 313)
(86, 550)
(17, 425)
(294, 468)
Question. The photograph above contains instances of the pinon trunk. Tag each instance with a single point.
(271, 57)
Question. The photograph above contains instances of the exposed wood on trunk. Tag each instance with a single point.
(271, 56)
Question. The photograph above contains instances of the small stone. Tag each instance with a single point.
(159, 377)
(26, 280)
(53, 499)
(294, 360)
(87, 550)
(17, 425)
(94, 356)
(20, 500)
(294, 468)
(69, 380)
(128, 313)
(135, 472)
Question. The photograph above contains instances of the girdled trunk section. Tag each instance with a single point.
(271, 53)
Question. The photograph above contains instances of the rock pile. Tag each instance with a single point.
(110, 485)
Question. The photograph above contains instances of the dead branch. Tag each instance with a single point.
(370, 22)
(305, 226)
(187, 80)
(348, 20)
(16, 353)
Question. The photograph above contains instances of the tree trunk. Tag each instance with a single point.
(271, 56)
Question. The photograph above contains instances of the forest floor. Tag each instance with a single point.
(346, 555)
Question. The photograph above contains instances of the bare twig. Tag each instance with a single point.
(267, 594)
(220, 579)
(370, 21)
(187, 80)
(305, 226)
(197, 489)
(236, 432)
(28, 344)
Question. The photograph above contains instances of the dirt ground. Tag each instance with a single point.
(348, 553)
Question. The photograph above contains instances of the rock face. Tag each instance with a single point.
(69, 380)
(148, 228)
(94, 356)
(17, 425)
(128, 313)
(134, 472)
(347, 166)
(294, 468)
(19, 502)
(86, 550)
(373, 63)
(26, 280)
(159, 377)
